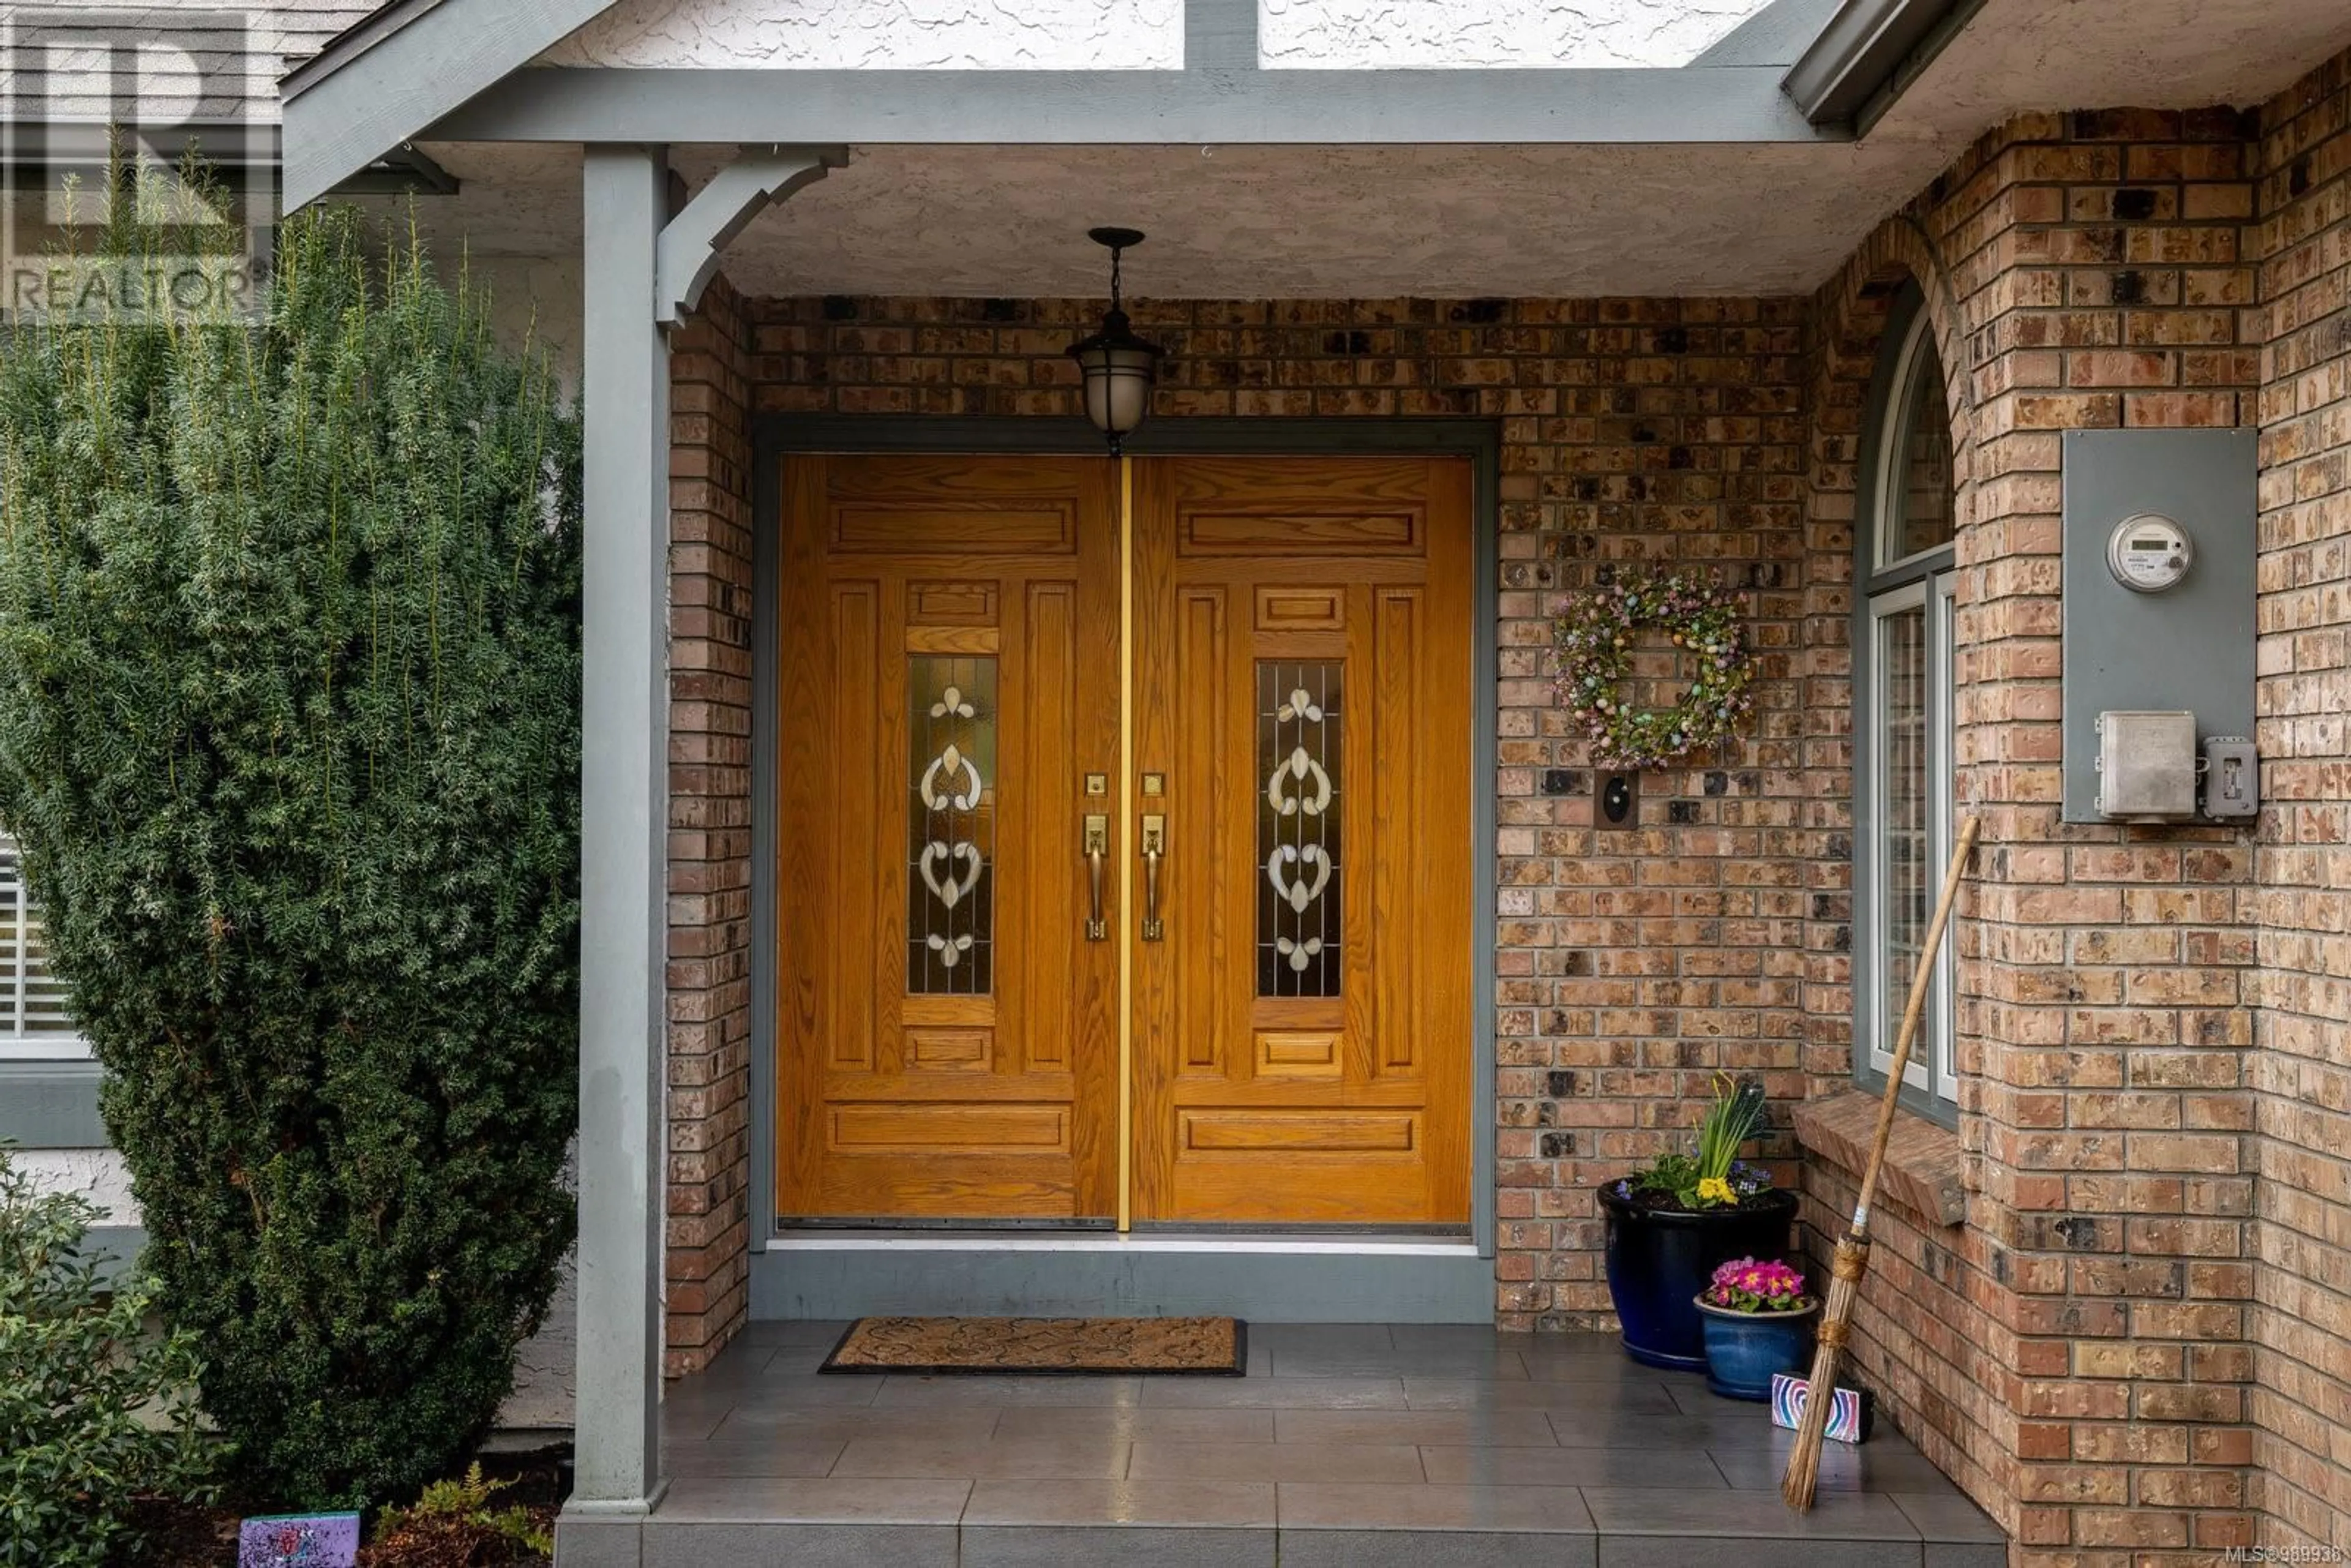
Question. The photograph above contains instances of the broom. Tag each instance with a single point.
(1853, 1253)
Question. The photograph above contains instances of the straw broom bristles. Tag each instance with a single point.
(1852, 1260)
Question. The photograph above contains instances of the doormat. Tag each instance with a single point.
(1215, 1347)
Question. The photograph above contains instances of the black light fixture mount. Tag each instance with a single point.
(1118, 367)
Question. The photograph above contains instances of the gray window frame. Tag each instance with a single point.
(1888, 387)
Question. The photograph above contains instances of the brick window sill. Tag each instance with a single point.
(1922, 1159)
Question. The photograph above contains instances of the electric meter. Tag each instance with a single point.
(2148, 553)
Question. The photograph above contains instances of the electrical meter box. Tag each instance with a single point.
(2158, 602)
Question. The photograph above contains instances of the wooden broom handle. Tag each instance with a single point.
(1920, 984)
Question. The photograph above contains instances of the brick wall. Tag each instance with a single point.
(2302, 1080)
(1633, 965)
(706, 1253)
(2076, 1354)
(2095, 1354)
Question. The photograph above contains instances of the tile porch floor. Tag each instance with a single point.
(1350, 1443)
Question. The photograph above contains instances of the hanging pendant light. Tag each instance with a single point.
(1118, 366)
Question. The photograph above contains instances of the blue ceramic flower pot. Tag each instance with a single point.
(1744, 1349)
(1659, 1260)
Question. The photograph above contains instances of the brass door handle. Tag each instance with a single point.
(1154, 849)
(1097, 849)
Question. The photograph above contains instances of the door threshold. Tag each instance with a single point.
(1389, 1244)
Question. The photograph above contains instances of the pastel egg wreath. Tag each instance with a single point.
(1595, 640)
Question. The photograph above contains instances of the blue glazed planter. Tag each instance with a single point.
(1744, 1349)
(1659, 1261)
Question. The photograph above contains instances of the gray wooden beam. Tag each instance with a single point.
(1732, 104)
(624, 812)
(376, 85)
(693, 242)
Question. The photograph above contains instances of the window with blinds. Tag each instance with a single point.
(33, 1022)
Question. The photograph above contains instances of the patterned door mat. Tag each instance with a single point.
(1216, 1347)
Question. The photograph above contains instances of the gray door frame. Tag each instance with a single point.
(1480, 440)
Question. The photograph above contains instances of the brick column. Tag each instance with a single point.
(2302, 1320)
(706, 1260)
(2096, 261)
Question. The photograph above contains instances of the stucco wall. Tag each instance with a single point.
(1144, 35)
(1383, 34)
(897, 35)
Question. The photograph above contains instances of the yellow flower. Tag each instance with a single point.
(1715, 1189)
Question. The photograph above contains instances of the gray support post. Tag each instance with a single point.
(624, 820)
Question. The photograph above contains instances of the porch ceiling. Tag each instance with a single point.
(1432, 220)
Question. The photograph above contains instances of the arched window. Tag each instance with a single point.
(1902, 697)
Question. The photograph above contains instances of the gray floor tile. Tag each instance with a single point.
(599, 1542)
(1275, 1393)
(1056, 1458)
(1837, 1516)
(1570, 1468)
(799, 1545)
(1433, 1362)
(1511, 1428)
(1409, 1336)
(1129, 1546)
(1948, 1554)
(796, 1332)
(1433, 1549)
(1173, 1426)
(776, 1454)
(1228, 1504)
(755, 1422)
(901, 1392)
(1585, 1429)
(1308, 1505)
(800, 1361)
(1841, 1469)
(1587, 1459)
(699, 1499)
(806, 1391)
(1947, 1516)
(1322, 1336)
(1629, 1397)
(692, 1423)
(1396, 1463)
(1730, 1552)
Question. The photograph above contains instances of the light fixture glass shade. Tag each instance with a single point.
(1118, 384)
(1119, 369)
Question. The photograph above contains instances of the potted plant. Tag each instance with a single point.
(1758, 1319)
(1672, 1225)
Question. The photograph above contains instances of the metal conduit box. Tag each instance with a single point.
(2158, 614)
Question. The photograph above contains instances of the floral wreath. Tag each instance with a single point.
(1595, 640)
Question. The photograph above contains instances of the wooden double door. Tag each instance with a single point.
(1123, 840)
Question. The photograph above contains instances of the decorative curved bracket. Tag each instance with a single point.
(691, 243)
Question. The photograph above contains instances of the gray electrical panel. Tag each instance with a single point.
(2184, 643)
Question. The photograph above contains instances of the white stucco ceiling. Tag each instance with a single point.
(1456, 222)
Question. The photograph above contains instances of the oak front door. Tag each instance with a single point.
(1123, 840)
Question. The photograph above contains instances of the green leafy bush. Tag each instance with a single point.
(94, 1410)
(290, 736)
(455, 1521)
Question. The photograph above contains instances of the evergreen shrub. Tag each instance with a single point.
(289, 738)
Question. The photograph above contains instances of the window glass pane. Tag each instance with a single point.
(1919, 485)
(950, 825)
(1298, 897)
(1905, 823)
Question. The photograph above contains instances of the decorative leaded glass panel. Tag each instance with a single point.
(950, 825)
(1905, 868)
(1298, 897)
